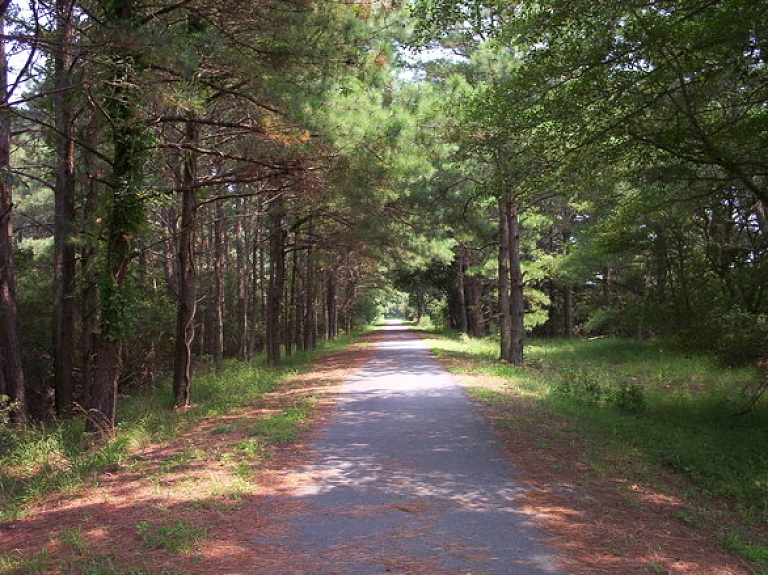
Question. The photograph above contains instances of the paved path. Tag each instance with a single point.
(408, 479)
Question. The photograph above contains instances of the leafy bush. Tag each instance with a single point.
(628, 397)
(733, 337)
(149, 339)
(584, 387)
(7, 437)
(580, 386)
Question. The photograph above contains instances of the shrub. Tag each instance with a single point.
(580, 386)
(7, 437)
(628, 397)
(586, 388)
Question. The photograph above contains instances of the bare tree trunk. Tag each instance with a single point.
(291, 296)
(102, 396)
(219, 262)
(299, 301)
(89, 303)
(349, 306)
(287, 312)
(568, 323)
(331, 306)
(242, 283)
(10, 359)
(276, 281)
(517, 299)
(505, 316)
(64, 267)
(187, 286)
(461, 295)
(310, 311)
(474, 306)
(170, 254)
(124, 216)
(258, 278)
(762, 221)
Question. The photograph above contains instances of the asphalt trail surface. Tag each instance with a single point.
(407, 478)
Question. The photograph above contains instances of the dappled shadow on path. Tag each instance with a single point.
(202, 487)
(407, 470)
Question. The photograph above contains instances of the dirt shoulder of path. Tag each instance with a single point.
(206, 503)
(228, 512)
(599, 522)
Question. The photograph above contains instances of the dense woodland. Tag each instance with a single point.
(187, 182)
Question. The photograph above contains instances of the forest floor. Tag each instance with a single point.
(192, 506)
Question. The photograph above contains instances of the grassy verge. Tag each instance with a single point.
(648, 415)
(58, 458)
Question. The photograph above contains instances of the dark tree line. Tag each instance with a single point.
(173, 158)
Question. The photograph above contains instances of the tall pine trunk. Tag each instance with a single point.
(219, 264)
(517, 299)
(276, 286)
(64, 268)
(89, 303)
(187, 287)
(288, 299)
(474, 306)
(511, 301)
(258, 279)
(242, 282)
(309, 308)
(12, 381)
(461, 296)
(331, 305)
(123, 218)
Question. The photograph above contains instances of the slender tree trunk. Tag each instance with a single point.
(505, 316)
(288, 301)
(257, 284)
(219, 263)
(125, 214)
(349, 306)
(299, 300)
(64, 268)
(207, 287)
(474, 306)
(461, 295)
(310, 311)
(89, 303)
(187, 284)
(105, 374)
(419, 306)
(170, 254)
(291, 302)
(10, 353)
(331, 306)
(242, 283)
(568, 323)
(276, 281)
(760, 217)
(517, 299)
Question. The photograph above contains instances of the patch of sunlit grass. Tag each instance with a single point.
(58, 457)
(642, 410)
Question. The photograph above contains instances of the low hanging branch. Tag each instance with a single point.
(755, 396)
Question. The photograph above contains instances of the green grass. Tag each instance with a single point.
(59, 458)
(286, 426)
(174, 538)
(83, 563)
(644, 410)
(15, 563)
